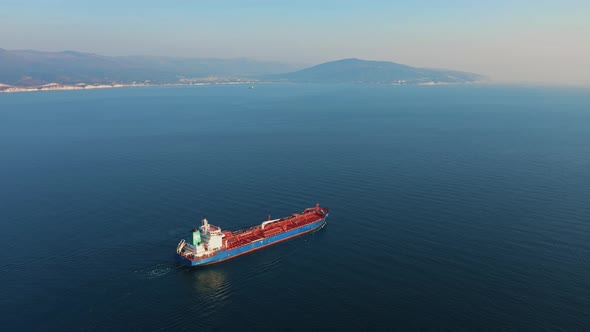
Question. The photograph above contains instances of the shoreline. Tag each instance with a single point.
(64, 87)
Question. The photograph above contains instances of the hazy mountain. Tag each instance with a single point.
(26, 68)
(34, 68)
(364, 71)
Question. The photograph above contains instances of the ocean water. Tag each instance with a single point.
(462, 208)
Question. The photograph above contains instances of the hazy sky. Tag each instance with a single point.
(518, 40)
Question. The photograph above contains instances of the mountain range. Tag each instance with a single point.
(27, 68)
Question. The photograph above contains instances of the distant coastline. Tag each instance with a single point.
(29, 71)
(64, 87)
(4, 88)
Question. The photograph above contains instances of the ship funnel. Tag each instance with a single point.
(196, 237)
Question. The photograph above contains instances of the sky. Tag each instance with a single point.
(510, 41)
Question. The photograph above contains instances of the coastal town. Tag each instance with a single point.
(83, 86)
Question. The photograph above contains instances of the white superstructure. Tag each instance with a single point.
(207, 239)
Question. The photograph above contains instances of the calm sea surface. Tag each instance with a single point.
(453, 208)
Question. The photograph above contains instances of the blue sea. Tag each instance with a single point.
(455, 208)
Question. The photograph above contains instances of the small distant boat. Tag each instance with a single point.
(251, 87)
(211, 245)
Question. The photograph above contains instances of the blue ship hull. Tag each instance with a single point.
(223, 255)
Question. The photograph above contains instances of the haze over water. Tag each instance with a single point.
(459, 208)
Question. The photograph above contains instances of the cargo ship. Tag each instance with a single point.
(211, 245)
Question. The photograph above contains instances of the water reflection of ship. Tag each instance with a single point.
(212, 289)
(210, 279)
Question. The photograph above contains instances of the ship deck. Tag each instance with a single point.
(244, 237)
